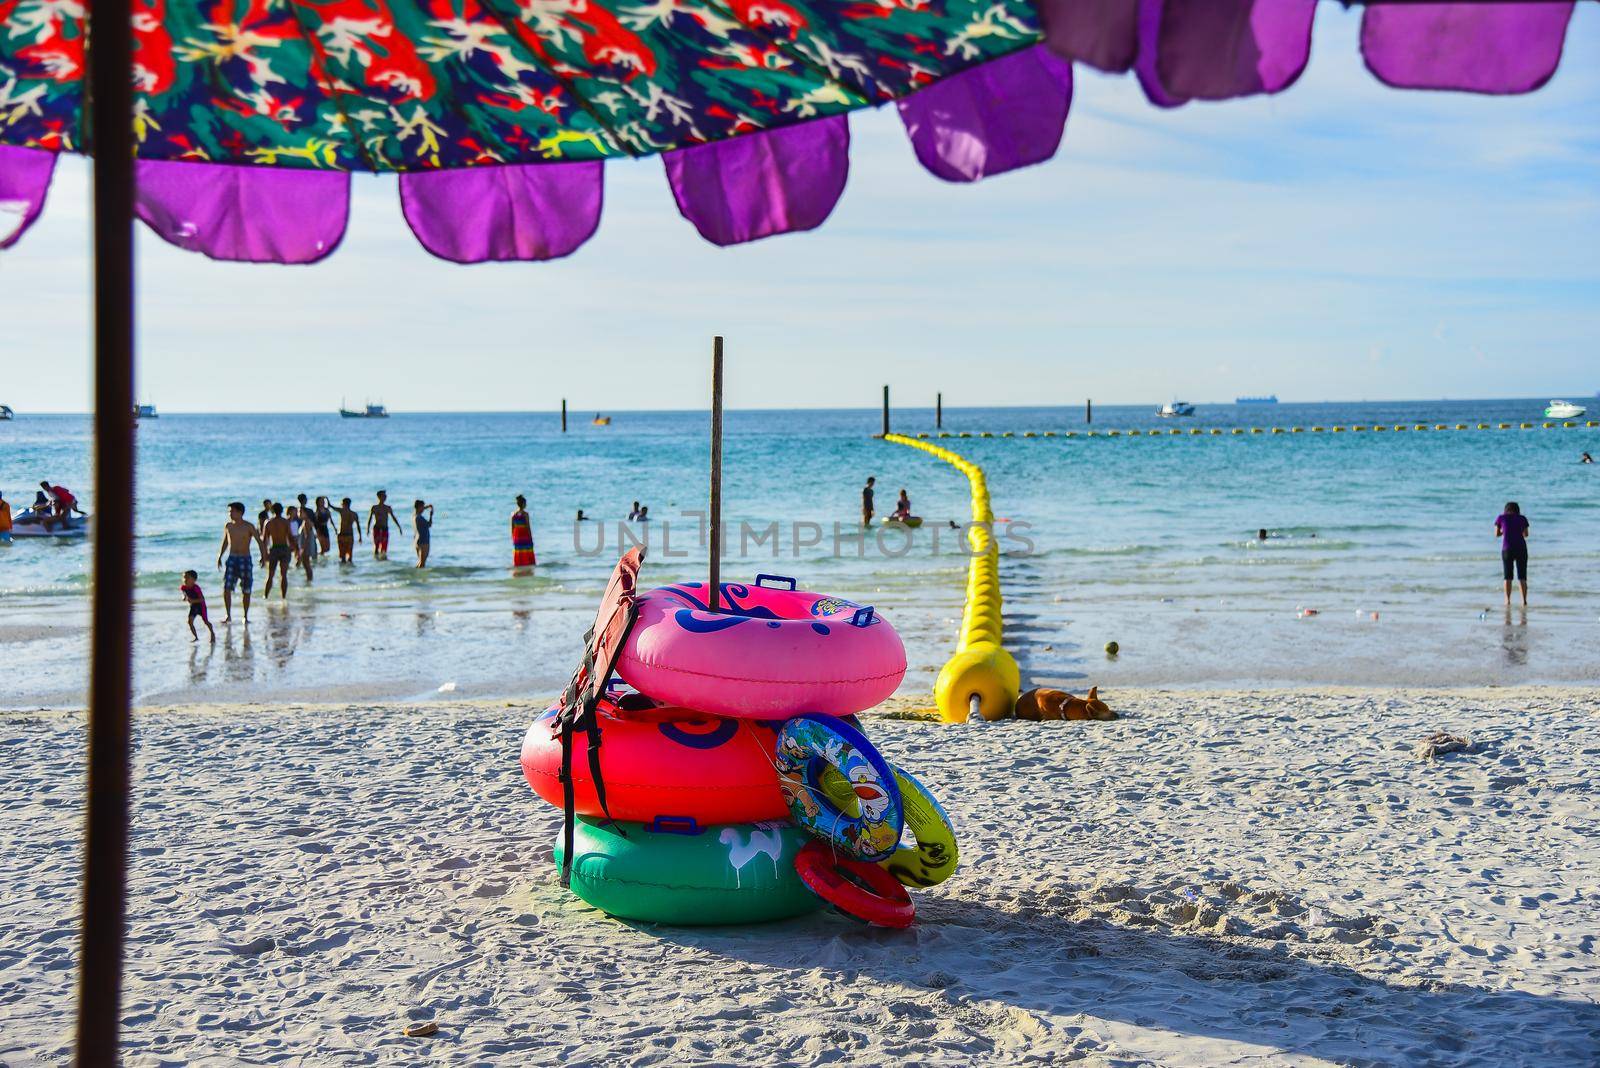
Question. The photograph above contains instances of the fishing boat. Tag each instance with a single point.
(602, 420)
(1174, 408)
(1560, 409)
(145, 411)
(371, 411)
(6, 414)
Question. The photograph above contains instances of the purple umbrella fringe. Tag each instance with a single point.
(985, 120)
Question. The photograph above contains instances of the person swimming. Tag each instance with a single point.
(1586, 459)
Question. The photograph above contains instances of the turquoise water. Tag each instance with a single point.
(1147, 541)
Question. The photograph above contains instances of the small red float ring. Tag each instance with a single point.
(862, 891)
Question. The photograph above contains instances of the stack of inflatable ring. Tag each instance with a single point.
(738, 784)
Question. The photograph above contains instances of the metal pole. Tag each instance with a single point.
(716, 471)
(563, 415)
(1088, 411)
(885, 411)
(110, 109)
(938, 411)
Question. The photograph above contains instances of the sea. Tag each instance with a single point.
(1380, 566)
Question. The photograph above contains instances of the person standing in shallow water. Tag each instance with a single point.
(349, 531)
(322, 517)
(522, 554)
(378, 517)
(1511, 527)
(866, 502)
(239, 537)
(279, 544)
(423, 526)
(306, 538)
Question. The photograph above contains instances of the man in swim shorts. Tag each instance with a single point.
(1511, 527)
(237, 538)
(866, 502)
(280, 551)
(378, 517)
(349, 530)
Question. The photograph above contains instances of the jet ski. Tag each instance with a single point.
(31, 525)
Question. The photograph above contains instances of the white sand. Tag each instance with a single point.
(1218, 878)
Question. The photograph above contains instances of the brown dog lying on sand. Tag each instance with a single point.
(1058, 704)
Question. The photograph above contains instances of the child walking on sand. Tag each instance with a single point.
(197, 604)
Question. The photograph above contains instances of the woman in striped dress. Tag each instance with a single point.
(522, 555)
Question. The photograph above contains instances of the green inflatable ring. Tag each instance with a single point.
(683, 874)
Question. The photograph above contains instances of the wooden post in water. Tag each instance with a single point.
(716, 472)
(105, 867)
(563, 415)
(938, 411)
(1088, 411)
(885, 411)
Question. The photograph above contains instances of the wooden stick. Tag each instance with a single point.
(938, 411)
(105, 875)
(563, 415)
(885, 411)
(716, 472)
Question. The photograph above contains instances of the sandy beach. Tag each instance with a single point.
(1218, 878)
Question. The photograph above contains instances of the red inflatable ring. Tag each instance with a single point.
(663, 763)
(862, 891)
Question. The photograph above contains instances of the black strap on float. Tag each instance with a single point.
(574, 706)
(568, 818)
(594, 773)
(580, 711)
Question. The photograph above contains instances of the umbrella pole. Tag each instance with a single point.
(716, 472)
(110, 689)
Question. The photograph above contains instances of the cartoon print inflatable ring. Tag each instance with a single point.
(934, 857)
(810, 744)
(861, 891)
(770, 651)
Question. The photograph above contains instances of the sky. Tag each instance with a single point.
(1339, 241)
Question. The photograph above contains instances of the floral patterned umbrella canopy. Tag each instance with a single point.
(499, 114)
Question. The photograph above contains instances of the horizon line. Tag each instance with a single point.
(821, 408)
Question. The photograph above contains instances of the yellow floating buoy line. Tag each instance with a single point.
(1215, 432)
(981, 677)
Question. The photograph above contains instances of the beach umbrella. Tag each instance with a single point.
(231, 127)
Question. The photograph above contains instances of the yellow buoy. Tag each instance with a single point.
(983, 674)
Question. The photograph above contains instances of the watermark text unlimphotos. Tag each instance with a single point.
(795, 539)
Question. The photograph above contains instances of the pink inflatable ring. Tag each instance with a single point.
(771, 652)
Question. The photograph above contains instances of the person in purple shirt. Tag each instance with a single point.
(1511, 527)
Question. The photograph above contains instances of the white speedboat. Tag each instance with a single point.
(1560, 409)
(1177, 407)
(28, 525)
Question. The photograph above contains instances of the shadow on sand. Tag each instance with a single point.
(1092, 976)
